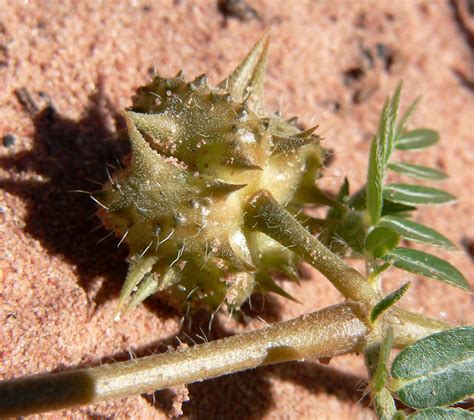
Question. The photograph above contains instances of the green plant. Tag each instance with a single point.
(199, 203)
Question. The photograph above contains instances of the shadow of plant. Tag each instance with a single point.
(248, 394)
(67, 154)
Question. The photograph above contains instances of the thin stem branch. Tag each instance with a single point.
(264, 214)
(326, 333)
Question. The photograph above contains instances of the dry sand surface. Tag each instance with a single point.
(67, 67)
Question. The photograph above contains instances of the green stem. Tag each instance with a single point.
(326, 333)
(263, 213)
(376, 354)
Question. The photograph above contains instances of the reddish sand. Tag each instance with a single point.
(66, 67)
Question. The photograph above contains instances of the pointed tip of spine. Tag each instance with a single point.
(308, 132)
(180, 75)
(221, 189)
(137, 141)
(147, 287)
(247, 78)
(291, 143)
(267, 284)
(138, 269)
(151, 285)
(292, 121)
(199, 82)
(292, 273)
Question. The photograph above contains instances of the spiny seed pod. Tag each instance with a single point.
(197, 153)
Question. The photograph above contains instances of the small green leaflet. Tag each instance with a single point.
(416, 194)
(424, 264)
(392, 122)
(417, 139)
(416, 171)
(375, 176)
(388, 301)
(405, 117)
(441, 414)
(417, 232)
(437, 370)
(381, 240)
(380, 152)
(389, 207)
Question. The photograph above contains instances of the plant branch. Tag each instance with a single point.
(263, 213)
(326, 333)
(409, 327)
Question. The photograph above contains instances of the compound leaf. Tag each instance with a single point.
(436, 370)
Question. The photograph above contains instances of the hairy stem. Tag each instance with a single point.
(326, 333)
(409, 327)
(376, 354)
(263, 213)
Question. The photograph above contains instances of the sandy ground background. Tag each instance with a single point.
(67, 67)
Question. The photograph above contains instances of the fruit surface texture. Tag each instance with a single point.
(197, 154)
